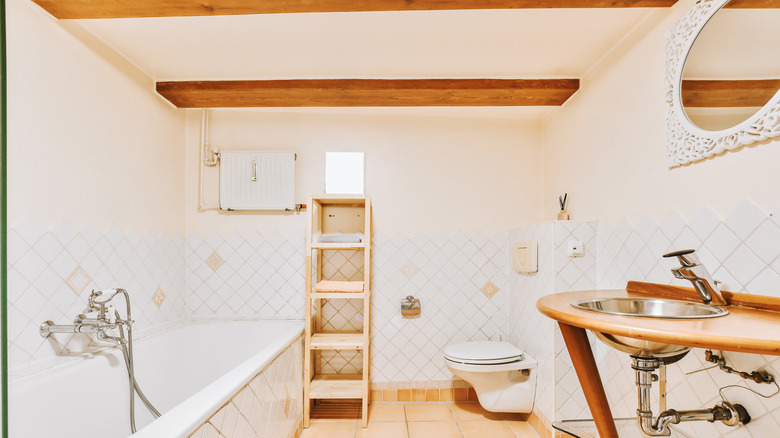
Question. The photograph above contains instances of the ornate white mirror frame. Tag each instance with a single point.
(686, 142)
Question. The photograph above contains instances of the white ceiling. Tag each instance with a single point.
(538, 43)
(522, 43)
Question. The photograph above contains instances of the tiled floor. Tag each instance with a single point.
(417, 420)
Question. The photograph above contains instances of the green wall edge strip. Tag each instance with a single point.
(3, 220)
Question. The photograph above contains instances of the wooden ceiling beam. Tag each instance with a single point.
(368, 92)
(189, 8)
(728, 93)
(753, 4)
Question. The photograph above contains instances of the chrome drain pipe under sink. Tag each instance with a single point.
(729, 414)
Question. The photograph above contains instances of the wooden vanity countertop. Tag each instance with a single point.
(752, 325)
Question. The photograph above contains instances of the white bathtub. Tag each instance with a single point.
(188, 373)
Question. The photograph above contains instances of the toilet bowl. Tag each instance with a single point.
(503, 376)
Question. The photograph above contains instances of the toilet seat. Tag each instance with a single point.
(483, 353)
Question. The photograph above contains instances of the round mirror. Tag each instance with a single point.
(733, 68)
(722, 79)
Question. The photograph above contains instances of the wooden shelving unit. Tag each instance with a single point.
(333, 214)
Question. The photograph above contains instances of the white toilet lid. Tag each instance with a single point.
(485, 352)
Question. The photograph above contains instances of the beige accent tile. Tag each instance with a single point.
(522, 429)
(389, 395)
(479, 429)
(418, 395)
(376, 395)
(404, 395)
(427, 429)
(215, 261)
(461, 394)
(473, 395)
(428, 412)
(431, 395)
(446, 395)
(395, 429)
(386, 412)
(330, 429)
(159, 297)
(78, 280)
(472, 411)
(489, 289)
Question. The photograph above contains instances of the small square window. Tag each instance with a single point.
(344, 172)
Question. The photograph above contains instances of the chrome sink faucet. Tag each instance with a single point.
(693, 270)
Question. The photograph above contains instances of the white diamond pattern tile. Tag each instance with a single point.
(62, 258)
(741, 251)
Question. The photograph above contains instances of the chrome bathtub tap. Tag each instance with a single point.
(693, 270)
(107, 319)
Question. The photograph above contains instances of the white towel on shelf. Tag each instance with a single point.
(341, 238)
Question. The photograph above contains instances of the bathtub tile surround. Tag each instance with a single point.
(52, 271)
(270, 405)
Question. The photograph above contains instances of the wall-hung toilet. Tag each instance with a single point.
(503, 376)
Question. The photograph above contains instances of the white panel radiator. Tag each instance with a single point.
(253, 180)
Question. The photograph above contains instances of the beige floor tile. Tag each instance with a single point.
(472, 411)
(437, 429)
(522, 429)
(388, 429)
(485, 428)
(386, 412)
(330, 429)
(428, 412)
(512, 416)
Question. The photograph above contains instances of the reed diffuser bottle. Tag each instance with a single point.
(562, 200)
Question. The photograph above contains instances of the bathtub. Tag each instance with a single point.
(199, 376)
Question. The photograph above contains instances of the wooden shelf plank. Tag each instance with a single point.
(337, 386)
(368, 92)
(337, 341)
(340, 286)
(80, 9)
(328, 199)
(337, 295)
(354, 246)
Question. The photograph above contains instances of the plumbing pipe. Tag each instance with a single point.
(206, 158)
(728, 414)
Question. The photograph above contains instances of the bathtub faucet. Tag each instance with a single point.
(107, 318)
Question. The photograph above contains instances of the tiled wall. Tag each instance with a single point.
(270, 405)
(537, 334)
(52, 272)
(461, 282)
(741, 250)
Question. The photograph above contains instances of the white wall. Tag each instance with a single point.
(426, 174)
(95, 183)
(607, 146)
(88, 140)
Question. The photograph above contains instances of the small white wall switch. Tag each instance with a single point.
(576, 249)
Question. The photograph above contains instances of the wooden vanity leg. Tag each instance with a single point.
(582, 357)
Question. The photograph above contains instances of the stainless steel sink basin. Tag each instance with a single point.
(648, 308)
(651, 308)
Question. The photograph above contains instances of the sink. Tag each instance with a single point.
(648, 308)
(651, 308)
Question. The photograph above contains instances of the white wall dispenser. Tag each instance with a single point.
(256, 180)
(524, 256)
